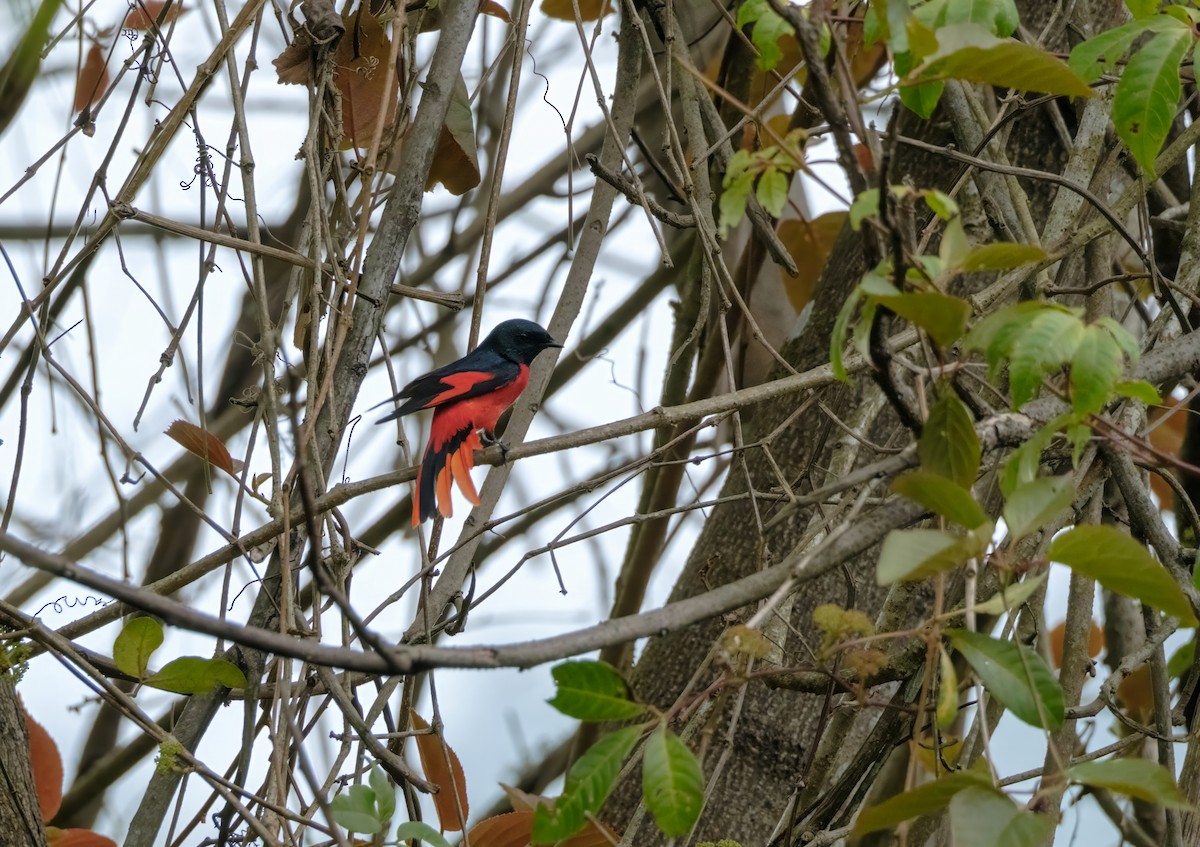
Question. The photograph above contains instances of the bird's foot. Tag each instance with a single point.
(489, 438)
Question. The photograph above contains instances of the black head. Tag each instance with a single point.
(519, 340)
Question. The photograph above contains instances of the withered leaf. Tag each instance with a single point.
(145, 14)
(294, 66)
(589, 10)
(443, 769)
(47, 767)
(809, 243)
(92, 79)
(456, 160)
(360, 71)
(202, 443)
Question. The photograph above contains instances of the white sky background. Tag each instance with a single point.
(494, 720)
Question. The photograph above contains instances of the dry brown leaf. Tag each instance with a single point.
(514, 829)
(810, 243)
(360, 71)
(47, 767)
(1167, 429)
(523, 801)
(202, 443)
(92, 79)
(1135, 694)
(495, 10)
(443, 769)
(456, 160)
(146, 13)
(589, 10)
(294, 66)
(1058, 634)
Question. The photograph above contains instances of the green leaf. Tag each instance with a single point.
(1096, 56)
(948, 444)
(354, 809)
(1015, 675)
(994, 334)
(954, 245)
(865, 205)
(998, 17)
(588, 784)
(941, 495)
(922, 800)
(910, 554)
(837, 341)
(772, 191)
(1139, 390)
(944, 317)
(971, 53)
(947, 701)
(923, 98)
(1022, 466)
(419, 830)
(1095, 369)
(1181, 660)
(1140, 778)
(1001, 256)
(592, 691)
(1045, 343)
(134, 645)
(672, 782)
(1148, 94)
(25, 60)
(768, 28)
(1142, 8)
(1011, 596)
(983, 818)
(1034, 503)
(1123, 565)
(194, 675)
(734, 196)
(1124, 338)
(385, 794)
(941, 204)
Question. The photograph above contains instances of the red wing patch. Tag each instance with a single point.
(459, 384)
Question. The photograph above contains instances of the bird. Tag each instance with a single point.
(467, 396)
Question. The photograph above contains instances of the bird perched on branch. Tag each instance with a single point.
(467, 396)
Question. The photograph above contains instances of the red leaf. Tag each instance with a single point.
(93, 78)
(443, 769)
(76, 838)
(146, 13)
(202, 443)
(47, 767)
(491, 7)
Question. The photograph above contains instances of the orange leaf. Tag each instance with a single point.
(76, 838)
(810, 243)
(1136, 694)
(92, 79)
(442, 768)
(593, 835)
(513, 829)
(47, 767)
(360, 71)
(589, 10)
(146, 13)
(202, 443)
(1095, 641)
(491, 7)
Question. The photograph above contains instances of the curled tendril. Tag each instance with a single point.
(63, 603)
